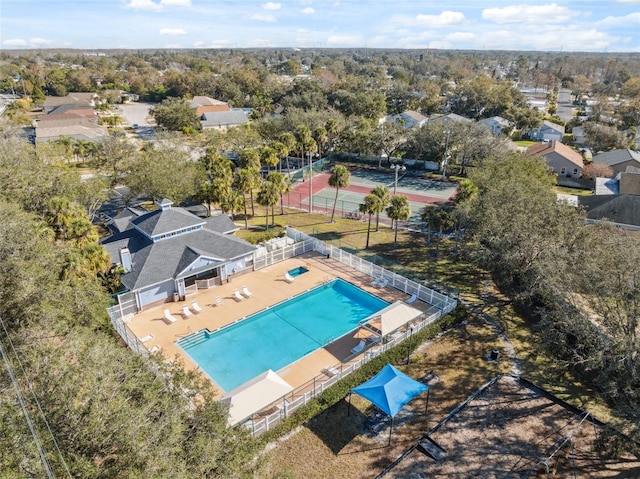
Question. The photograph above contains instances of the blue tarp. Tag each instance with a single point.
(390, 390)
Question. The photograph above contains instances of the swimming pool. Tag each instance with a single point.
(297, 271)
(282, 334)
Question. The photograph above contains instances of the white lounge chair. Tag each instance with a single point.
(288, 278)
(237, 295)
(384, 283)
(359, 347)
(148, 337)
(246, 292)
(169, 317)
(376, 281)
(196, 307)
(218, 300)
(412, 299)
(155, 348)
(185, 312)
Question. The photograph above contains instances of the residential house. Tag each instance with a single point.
(223, 120)
(217, 114)
(72, 116)
(563, 160)
(86, 99)
(409, 119)
(451, 117)
(164, 252)
(618, 160)
(623, 210)
(204, 104)
(497, 125)
(548, 131)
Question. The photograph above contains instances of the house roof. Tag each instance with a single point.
(496, 119)
(166, 259)
(623, 209)
(205, 101)
(545, 148)
(86, 131)
(224, 118)
(553, 126)
(165, 221)
(414, 115)
(615, 157)
(81, 110)
(452, 117)
(78, 98)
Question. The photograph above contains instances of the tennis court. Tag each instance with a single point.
(418, 191)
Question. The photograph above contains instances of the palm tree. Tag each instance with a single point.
(371, 205)
(397, 210)
(246, 179)
(282, 183)
(232, 202)
(428, 216)
(307, 144)
(320, 136)
(269, 157)
(381, 192)
(339, 178)
(289, 141)
(268, 197)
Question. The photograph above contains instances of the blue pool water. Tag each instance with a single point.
(297, 271)
(282, 334)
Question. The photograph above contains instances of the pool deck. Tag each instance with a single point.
(268, 287)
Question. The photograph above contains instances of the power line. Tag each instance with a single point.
(34, 433)
(35, 398)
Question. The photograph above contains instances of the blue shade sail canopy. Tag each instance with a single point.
(390, 390)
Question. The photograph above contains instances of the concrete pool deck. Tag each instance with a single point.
(269, 287)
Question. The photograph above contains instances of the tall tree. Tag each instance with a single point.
(398, 210)
(340, 178)
(282, 184)
(268, 197)
(372, 204)
(381, 192)
(176, 114)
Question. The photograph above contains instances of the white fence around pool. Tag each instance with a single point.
(441, 304)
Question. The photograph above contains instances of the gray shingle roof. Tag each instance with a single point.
(224, 118)
(162, 222)
(614, 157)
(167, 259)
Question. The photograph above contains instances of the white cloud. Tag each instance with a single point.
(15, 42)
(31, 42)
(260, 43)
(308, 11)
(263, 18)
(445, 19)
(173, 31)
(272, 6)
(156, 6)
(631, 19)
(552, 13)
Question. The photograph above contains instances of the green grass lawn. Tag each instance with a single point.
(572, 191)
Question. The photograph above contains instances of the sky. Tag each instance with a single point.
(586, 25)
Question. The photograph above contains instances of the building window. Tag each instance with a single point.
(563, 170)
(575, 172)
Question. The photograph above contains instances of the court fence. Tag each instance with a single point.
(441, 304)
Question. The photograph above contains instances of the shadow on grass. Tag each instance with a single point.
(338, 426)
